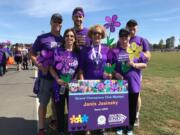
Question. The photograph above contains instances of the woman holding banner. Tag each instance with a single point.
(129, 62)
(94, 58)
(66, 61)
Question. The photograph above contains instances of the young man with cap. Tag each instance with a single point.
(129, 70)
(44, 46)
(81, 31)
(132, 26)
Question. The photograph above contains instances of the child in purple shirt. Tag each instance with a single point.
(130, 70)
(132, 26)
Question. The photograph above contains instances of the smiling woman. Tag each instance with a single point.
(65, 67)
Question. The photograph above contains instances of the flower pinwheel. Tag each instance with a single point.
(125, 67)
(109, 69)
(66, 78)
(112, 23)
(134, 51)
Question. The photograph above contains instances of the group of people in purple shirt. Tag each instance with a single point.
(80, 54)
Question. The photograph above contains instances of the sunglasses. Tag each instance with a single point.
(69, 36)
(57, 21)
(97, 33)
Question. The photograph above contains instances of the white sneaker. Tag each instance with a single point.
(130, 132)
(136, 124)
(119, 132)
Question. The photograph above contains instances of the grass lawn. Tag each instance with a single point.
(160, 112)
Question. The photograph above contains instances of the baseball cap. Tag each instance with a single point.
(124, 32)
(131, 22)
(78, 10)
(56, 16)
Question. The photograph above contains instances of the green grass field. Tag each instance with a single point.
(160, 112)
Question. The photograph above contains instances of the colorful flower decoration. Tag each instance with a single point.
(101, 86)
(66, 78)
(46, 58)
(125, 67)
(112, 23)
(109, 69)
(134, 51)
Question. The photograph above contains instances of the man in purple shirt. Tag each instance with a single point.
(81, 31)
(41, 54)
(132, 26)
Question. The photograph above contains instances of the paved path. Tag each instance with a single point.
(18, 113)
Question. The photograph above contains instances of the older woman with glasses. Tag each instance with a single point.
(66, 61)
(94, 58)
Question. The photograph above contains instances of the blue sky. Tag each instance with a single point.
(23, 20)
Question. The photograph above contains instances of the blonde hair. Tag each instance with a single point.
(93, 28)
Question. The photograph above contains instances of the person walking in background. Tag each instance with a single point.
(18, 57)
(66, 63)
(129, 69)
(44, 46)
(132, 26)
(81, 31)
(2, 60)
(25, 58)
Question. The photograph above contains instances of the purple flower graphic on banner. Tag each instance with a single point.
(112, 23)
(100, 86)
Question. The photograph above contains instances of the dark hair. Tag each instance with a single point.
(56, 16)
(77, 9)
(75, 46)
(131, 22)
(124, 32)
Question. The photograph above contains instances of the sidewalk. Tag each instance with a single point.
(18, 113)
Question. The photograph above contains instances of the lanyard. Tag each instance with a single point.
(96, 56)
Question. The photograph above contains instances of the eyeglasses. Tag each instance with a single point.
(97, 33)
(69, 36)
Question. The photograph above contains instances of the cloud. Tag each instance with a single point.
(42, 8)
(6, 25)
(166, 19)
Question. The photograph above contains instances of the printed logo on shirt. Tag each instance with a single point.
(54, 44)
(123, 57)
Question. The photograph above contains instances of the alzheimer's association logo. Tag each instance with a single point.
(101, 120)
(116, 119)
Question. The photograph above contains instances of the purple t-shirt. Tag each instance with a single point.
(132, 75)
(82, 34)
(141, 42)
(93, 65)
(17, 53)
(2, 57)
(65, 63)
(44, 46)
